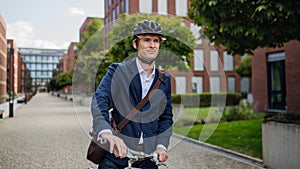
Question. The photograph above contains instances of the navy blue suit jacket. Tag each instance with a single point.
(121, 89)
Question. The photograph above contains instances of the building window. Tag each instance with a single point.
(145, 6)
(214, 60)
(181, 8)
(228, 61)
(106, 20)
(109, 3)
(245, 85)
(195, 31)
(32, 74)
(180, 84)
(245, 88)
(198, 60)
(117, 11)
(113, 15)
(33, 59)
(122, 8)
(162, 7)
(197, 84)
(276, 81)
(44, 66)
(106, 6)
(231, 84)
(127, 7)
(214, 84)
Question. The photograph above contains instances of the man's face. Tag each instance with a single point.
(148, 46)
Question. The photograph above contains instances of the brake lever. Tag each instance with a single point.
(156, 161)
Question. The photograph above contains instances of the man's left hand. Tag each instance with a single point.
(162, 154)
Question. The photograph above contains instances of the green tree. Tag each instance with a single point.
(65, 79)
(243, 69)
(90, 69)
(91, 49)
(92, 65)
(177, 48)
(244, 25)
(94, 36)
(61, 80)
(52, 85)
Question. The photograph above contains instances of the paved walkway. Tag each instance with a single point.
(51, 133)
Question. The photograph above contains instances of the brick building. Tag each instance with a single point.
(69, 59)
(72, 55)
(212, 68)
(3, 51)
(83, 27)
(12, 66)
(276, 78)
(23, 75)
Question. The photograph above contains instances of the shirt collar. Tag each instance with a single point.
(141, 70)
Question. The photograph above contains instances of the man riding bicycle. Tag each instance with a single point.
(122, 88)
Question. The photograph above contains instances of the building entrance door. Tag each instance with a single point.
(276, 81)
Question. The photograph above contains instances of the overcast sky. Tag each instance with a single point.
(47, 23)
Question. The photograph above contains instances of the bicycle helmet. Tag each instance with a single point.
(147, 27)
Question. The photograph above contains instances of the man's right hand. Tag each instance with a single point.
(117, 145)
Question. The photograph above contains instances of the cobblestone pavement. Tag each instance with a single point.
(48, 133)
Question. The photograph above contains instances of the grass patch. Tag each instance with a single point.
(244, 136)
(192, 116)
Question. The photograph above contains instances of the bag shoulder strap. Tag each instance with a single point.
(135, 110)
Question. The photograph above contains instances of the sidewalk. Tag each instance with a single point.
(44, 134)
(51, 133)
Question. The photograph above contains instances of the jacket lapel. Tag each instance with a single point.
(135, 87)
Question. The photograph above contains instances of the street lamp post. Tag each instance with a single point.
(11, 82)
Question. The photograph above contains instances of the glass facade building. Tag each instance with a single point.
(41, 63)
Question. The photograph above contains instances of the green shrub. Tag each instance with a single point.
(238, 112)
(205, 99)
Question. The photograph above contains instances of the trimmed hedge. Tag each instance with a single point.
(205, 99)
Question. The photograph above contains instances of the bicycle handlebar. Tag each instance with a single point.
(134, 156)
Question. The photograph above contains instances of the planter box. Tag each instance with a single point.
(281, 145)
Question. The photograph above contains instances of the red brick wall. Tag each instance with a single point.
(71, 55)
(133, 6)
(292, 64)
(259, 76)
(171, 7)
(259, 80)
(3, 53)
(154, 6)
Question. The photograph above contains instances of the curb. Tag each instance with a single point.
(224, 152)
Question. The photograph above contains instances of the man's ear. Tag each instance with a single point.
(134, 44)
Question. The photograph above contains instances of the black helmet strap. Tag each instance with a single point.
(146, 61)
